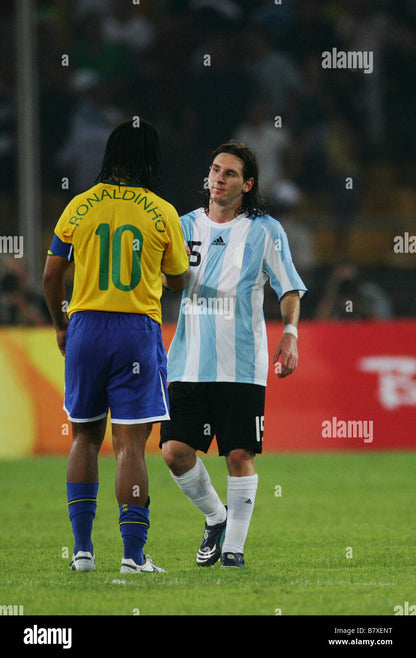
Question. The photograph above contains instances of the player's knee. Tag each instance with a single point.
(240, 462)
(178, 457)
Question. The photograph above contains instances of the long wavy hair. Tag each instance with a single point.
(133, 153)
(252, 202)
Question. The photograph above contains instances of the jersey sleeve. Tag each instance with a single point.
(60, 248)
(66, 225)
(62, 240)
(278, 263)
(175, 259)
(187, 226)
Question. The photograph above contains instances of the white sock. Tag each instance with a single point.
(241, 496)
(196, 485)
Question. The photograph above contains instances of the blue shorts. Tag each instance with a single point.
(116, 362)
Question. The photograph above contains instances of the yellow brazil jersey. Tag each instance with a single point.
(122, 237)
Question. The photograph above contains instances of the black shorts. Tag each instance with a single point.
(232, 412)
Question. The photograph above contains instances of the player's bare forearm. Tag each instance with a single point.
(287, 348)
(176, 283)
(290, 308)
(53, 282)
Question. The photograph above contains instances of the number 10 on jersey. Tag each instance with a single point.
(115, 246)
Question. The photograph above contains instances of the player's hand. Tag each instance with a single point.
(61, 339)
(287, 351)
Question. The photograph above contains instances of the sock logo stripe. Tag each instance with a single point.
(82, 500)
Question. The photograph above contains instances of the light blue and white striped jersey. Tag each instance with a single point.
(221, 332)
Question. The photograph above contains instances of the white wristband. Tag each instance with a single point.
(290, 329)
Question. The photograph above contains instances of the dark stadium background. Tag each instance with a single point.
(93, 63)
(336, 148)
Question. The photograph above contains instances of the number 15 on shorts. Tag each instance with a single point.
(259, 428)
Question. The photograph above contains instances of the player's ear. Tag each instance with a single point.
(248, 184)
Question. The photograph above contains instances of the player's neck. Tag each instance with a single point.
(222, 214)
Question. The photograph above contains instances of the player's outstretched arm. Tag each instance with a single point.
(287, 348)
(53, 282)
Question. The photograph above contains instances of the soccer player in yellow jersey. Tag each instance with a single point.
(123, 238)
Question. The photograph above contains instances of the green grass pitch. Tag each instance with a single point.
(331, 534)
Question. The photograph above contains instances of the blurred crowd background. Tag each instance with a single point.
(336, 147)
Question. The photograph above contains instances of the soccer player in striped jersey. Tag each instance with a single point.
(218, 359)
(121, 236)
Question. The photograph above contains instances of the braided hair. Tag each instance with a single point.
(133, 153)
